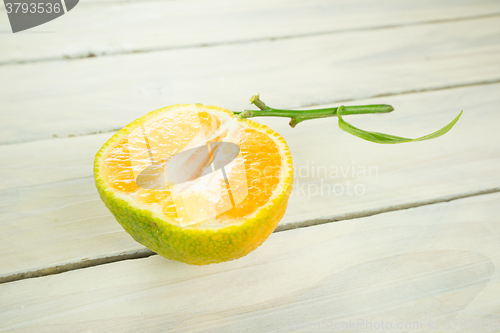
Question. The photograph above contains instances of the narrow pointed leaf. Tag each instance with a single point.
(387, 138)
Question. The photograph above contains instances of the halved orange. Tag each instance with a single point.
(196, 183)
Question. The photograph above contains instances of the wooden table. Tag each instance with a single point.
(415, 248)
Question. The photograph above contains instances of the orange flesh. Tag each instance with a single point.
(172, 132)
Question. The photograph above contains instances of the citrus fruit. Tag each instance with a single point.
(195, 183)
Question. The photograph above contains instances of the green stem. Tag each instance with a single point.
(298, 116)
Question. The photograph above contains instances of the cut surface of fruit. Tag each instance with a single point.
(196, 183)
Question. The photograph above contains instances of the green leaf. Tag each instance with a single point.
(387, 138)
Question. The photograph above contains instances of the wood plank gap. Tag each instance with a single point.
(251, 40)
(76, 265)
(351, 216)
(144, 253)
(407, 92)
(412, 91)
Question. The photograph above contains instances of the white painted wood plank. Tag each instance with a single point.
(424, 265)
(99, 94)
(48, 161)
(104, 28)
(50, 212)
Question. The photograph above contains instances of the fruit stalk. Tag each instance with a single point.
(298, 116)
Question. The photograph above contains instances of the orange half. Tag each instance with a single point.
(196, 183)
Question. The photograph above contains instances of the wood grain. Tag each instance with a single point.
(98, 28)
(100, 94)
(424, 265)
(108, 62)
(50, 212)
